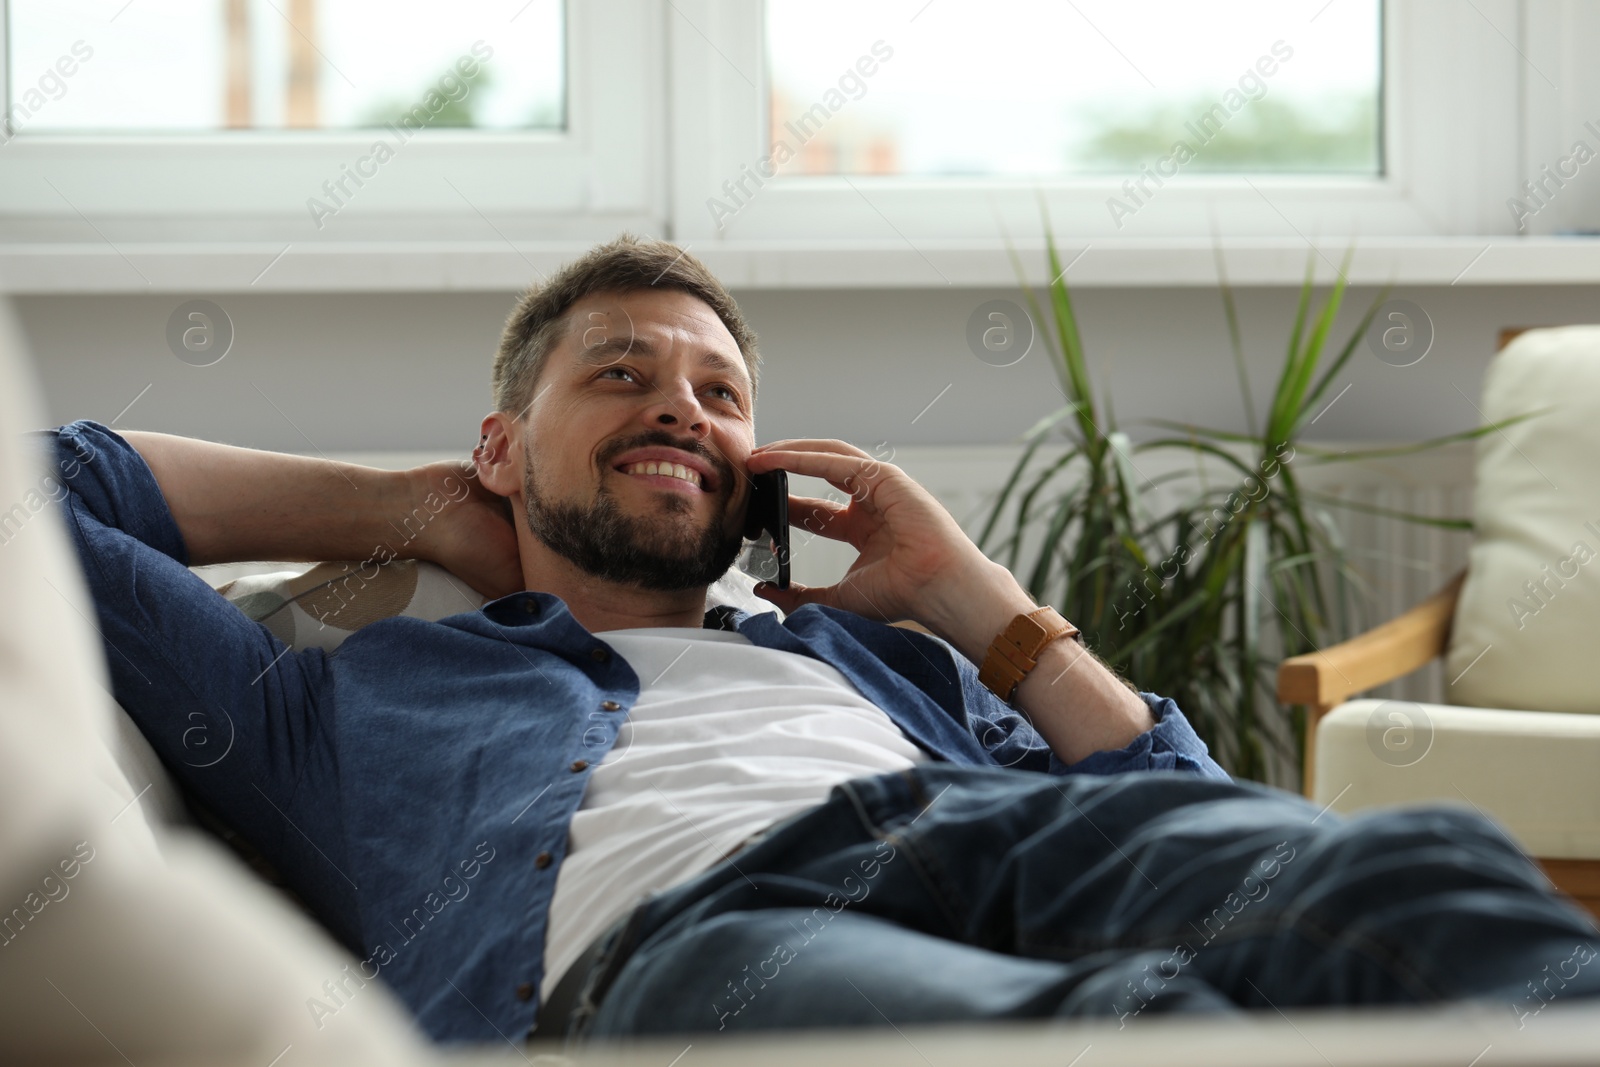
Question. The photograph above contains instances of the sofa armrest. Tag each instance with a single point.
(1324, 679)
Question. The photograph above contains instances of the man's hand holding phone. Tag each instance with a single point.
(915, 561)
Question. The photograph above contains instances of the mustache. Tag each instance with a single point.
(717, 463)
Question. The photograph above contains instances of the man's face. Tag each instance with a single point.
(641, 381)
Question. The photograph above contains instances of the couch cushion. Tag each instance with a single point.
(1526, 622)
(1533, 771)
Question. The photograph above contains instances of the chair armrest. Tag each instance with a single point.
(1382, 654)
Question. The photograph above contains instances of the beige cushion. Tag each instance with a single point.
(1533, 771)
(1529, 615)
(129, 941)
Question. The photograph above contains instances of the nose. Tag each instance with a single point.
(675, 406)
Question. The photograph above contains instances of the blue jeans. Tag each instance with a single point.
(946, 893)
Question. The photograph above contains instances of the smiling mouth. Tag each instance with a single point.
(688, 475)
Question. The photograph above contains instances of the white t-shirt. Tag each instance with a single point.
(726, 739)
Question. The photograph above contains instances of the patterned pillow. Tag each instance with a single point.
(320, 607)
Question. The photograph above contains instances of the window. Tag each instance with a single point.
(1017, 88)
(208, 65)
(321, 124)
(918, 136)
(1394, 119)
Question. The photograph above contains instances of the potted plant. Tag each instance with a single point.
(1201, 598)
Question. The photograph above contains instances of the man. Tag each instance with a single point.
(595, 806)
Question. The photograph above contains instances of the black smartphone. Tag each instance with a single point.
(769, 512)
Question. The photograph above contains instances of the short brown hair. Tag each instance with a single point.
(624, 265)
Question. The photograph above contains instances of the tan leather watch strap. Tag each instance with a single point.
(1015, 651)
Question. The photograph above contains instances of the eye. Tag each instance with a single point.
(619, 370)
(727, 392)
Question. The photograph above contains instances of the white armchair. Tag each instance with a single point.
(1519, 630)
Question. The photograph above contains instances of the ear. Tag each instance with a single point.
(499, 454)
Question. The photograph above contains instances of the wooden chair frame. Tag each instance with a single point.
(1323, 680)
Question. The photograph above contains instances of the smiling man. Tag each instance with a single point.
(622, 425)
(597, 807)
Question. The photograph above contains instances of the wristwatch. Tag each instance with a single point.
(1015, 651)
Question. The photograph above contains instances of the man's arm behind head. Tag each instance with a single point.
(241, 504)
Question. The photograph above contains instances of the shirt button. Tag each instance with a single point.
(531, 606)
(542, 860)
(579, 764)
(599, 655)
(609, 705)
(525, 992)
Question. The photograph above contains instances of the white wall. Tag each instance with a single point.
(410, 371)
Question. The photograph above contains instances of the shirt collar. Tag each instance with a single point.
(725, 617)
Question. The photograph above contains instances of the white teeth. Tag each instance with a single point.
(671, 470)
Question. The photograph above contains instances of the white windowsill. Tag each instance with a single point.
(495, 266)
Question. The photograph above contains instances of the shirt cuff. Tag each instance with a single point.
(111, 481)
(1170, 745)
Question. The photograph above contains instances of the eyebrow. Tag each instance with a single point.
(613, 348)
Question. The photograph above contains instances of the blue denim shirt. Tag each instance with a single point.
(416, 785)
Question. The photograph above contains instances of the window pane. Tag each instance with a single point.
(1041, 87)
(180, 65)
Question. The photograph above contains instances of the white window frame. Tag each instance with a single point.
(666, 100)
(602, 172)
(1450, 129)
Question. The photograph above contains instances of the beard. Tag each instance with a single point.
(661, 552)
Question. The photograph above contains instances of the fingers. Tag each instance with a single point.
(796, 596)
(816, 515)
(765, 457)
(839, 471)
(812, 444)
